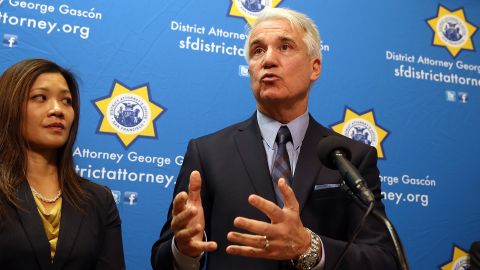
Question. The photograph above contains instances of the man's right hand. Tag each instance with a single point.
(188, 222)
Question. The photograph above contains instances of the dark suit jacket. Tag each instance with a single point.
(233, 165)
(475, 256)
(90, 240)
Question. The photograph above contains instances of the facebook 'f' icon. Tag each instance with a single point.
(130, 197)
(9, 40)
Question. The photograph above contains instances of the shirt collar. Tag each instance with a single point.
(269, 128)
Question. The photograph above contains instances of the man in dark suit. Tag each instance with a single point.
(475, 256)
(229, 212)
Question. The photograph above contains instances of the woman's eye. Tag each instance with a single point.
(67, 101)
(39, 98)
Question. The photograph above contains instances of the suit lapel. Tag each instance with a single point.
(70, 224)
(252, 152)
(308, 164)
(33, 226)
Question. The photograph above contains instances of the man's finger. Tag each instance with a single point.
(194, 186)
(181, 220)
(270, 209)
(205, 246)
(185, 235)
(179, 203)
(252, 225)
(290, 201)
(251, 240)
(194, 248)
(247, 251)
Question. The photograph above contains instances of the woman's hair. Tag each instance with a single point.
(15, 85)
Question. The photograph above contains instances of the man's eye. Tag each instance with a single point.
(285, 47)
(258, 50)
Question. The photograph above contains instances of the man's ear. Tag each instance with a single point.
(316, 69)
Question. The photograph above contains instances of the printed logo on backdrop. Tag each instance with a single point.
(214, 40)
(453, 96)
(128, 113)
(250, 9)
(243, 71)
(72, 19)
(462, 97)
(452, 30)
(459, 261)
(362, 128)
(9, 40)
(116, 196)
(130, 197)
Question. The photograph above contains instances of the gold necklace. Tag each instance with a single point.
(45, 199)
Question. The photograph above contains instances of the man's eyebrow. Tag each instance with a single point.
(287, 39)
(255, 41)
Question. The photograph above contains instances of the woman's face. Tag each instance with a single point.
(49, 114)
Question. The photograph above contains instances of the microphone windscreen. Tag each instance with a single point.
(327, 145)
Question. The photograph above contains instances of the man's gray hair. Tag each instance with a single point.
(298, 21)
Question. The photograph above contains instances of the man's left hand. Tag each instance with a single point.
(284, 238)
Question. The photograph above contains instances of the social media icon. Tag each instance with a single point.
(10, 40)
(130, 197)
(243, 71)
(463, 97)
(451, 95)
(116, 196)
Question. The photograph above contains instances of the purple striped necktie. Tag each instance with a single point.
(281, 164)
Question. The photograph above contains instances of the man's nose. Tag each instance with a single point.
(270, 58)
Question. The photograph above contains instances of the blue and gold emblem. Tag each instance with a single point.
(452, 30)
(250, 9)
(128, 113)
(460, 260)
(362, 128)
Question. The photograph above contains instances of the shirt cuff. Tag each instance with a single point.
(182, 261)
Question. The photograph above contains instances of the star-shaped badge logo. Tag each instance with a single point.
(128, 113)
(452, 30)
(362, 128)
(250, 9)
(460, 260)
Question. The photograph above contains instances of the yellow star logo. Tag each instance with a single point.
(362, 128)
(250, 9)
(460, 260)
(452, 30)
(128, 113)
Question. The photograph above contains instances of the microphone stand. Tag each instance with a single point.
(401, 258)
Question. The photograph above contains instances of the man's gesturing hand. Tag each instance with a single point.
(283, 238)
(188, 222)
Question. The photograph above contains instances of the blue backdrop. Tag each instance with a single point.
(403, 76)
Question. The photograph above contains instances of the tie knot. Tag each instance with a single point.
(283, 135)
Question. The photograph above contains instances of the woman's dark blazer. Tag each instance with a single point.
(91, 239)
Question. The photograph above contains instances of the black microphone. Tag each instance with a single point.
(335, 154)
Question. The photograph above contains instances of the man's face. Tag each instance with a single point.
(281, 71)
